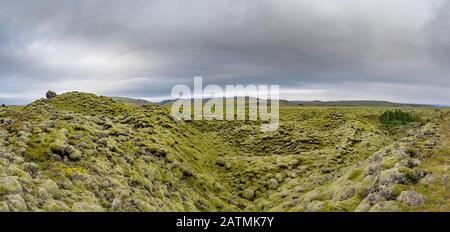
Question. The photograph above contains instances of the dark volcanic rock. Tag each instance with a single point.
(50, 94)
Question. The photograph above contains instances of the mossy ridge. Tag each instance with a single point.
(435, 187)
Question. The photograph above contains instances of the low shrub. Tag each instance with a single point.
(396, 117)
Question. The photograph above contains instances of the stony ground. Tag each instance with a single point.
(81, 152)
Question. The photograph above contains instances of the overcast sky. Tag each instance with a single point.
(397, 50)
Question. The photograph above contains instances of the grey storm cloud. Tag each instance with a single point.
(396, 50)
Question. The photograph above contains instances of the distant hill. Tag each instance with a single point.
(132, 100)
(282, 102)
(165, 102)
(367, 103)
(442, 106)
(358, 103)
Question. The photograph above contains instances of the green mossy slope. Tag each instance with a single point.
(80, 152)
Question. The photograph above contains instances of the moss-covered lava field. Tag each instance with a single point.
(82, 152)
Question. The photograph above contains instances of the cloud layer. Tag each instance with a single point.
(396, 50)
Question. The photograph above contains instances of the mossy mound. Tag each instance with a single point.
(87, 103)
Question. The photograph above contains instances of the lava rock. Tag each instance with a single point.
(411, 198)
(50, 94)
(273, 183)
(248, 194)
(10, 185)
